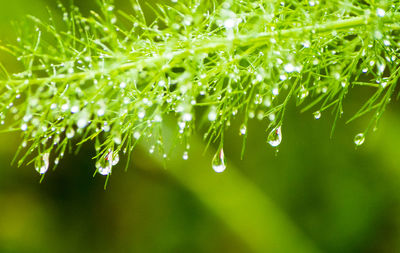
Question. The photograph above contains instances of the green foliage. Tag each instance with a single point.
(114, 77)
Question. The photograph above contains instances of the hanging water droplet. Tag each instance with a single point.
(275, 137)
(359, 139)
(70, 133)
(113, 157)
(104, 165)
(104, 170)
(42, 164)
(317, 115)
(243, 129)
(218, 162)
(185, 155)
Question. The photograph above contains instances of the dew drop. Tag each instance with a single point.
(104, 165)
(42, 165)
(212, 116)
(380, 12)
(83, 119)
(218, 162)
(289, 68)
(104, 170)
(24, 127)
(113, 158)
(359, 139)
(317, 115)
(185, 155)
(70, 133)
(243, 129)
(275, 137)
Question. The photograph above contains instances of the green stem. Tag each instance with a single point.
(221, 43)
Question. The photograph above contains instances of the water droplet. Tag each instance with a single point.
(141, 114)
(289, 68)
(317, 115)
(24, 127)
(83, 119)
(70, 133)
(104, 165)
(151, 150)
(117, 139)
(218, 162)
(75, 109)
(100, 112)
(275, 137)
(187, 116)
(380, 12)
(243, 129)
(359, 139)
(212, 116)
(42, 164)
(136, 135)
(185, 155)
(113, 157)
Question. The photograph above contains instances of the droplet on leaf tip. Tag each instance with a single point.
(219, 162)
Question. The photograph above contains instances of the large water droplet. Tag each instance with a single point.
(275, 137)
(104, 166)
(359, 139)
(218, 162)
(42, 165)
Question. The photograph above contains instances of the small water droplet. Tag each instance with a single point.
(212, 115)
(218, 162)
(317, 115)
(243, 129)
(24, 127)
(83, 119)
(275, 137)
(289, 68)
(380, 12)
(113, 157)
(359, 139)
(70, 133)
(185, 155)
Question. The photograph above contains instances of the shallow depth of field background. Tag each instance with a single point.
(318, 191)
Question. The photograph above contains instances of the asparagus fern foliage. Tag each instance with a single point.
(113, 77)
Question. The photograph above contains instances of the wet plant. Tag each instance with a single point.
(113, 77)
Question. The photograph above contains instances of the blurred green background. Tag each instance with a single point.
(316, 195)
